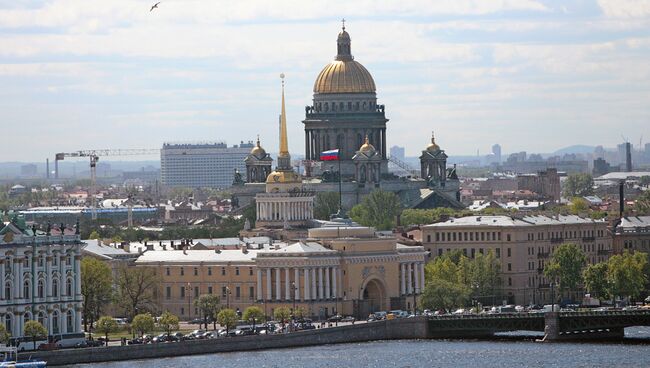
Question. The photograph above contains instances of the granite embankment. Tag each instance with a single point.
(407, 328)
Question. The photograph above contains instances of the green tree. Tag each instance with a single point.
(442, 268)
(168, 322)
(378, 209)
(34, 329)
(595, 280)
(136, 286)
(4, 334)
(282, 314)
(94, 235)
(644, 180)
(485, 278)
(443, 294)
(96, 288)
(642, 204)
(326, 204)
(565, 266)
(426, 216)
(143, 323)
(106, 325)
(578, 206)
(626, 274)
(300, 313)
(253, 314)
(578, 185)
(227, 318)
(209, 305)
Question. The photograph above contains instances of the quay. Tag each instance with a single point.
(557, 326)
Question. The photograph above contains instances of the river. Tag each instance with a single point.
(421, 353)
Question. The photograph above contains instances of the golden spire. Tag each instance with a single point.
(284, 145)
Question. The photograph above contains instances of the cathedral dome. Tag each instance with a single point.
(344, 75)
(258, 151)
(367, 148)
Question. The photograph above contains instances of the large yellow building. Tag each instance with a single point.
(346, 269)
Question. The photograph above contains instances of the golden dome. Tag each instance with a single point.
(433, 147)
(344, 77)
(258, 151)
(366, 147)
(283, 177)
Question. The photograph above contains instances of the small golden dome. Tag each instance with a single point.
(283, 177)
(433, 147)
(258, 151)
(366, 147)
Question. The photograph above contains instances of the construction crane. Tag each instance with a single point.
(94, 155)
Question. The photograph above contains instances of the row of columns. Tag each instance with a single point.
(18, 321)
(316, 283)
(294, 210)
(319, 140)
(18, 273)
(411, 278)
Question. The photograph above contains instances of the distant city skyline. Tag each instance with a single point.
(533, 76)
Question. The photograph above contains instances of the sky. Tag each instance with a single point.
(527, 74)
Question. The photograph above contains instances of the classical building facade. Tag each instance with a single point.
(523, 245)
(350, 270)
(41, 278)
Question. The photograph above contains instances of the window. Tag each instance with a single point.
(167, 271)
(237, 271)
(55, 322)
(196, 292)
(439, 252)
(26, 293)
(250, 271)
(210, 290)
(251, 293)
(428, 238)
(508, 237)
(40, 261)
(437, 237)
(8, 322)
(196, 271)
(55, 288)
(182, 292)
(498, 252)
(209, 271)
(223, 271)
(237, 292)
(182, 311)
(168, 292)
(509, 253)
(509, 266)
(7, 291)
(224, 291)
(41, 289)
(55, 261)
(41, 318)
(509, 281)
(26, 262)
(182, 271)
(482, 236)
(68, 260)
(68, 287)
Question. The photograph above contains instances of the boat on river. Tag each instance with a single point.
(11, 360)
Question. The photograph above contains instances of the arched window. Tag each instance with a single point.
(26, 289)
(55, 322)
(8, 292)
(333, 106)
(68, 287)
(55, 287)
(41, 318)
(8, 322)
(8, 265)
(41, 289)
(69, 318)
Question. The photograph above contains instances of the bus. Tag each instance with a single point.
(68, 340)
(27, 343)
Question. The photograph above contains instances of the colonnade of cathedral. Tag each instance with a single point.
(348, 142)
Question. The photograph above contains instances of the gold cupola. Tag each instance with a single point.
(367, 148)
(433, 147)
(258, 151)
(344, 75)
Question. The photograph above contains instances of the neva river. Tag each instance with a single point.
(421, 353)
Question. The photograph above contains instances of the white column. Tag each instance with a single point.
(268, 284)
(403, 278)
(278, 289)
(63, 322)
(77, 276)
(2, 277)
(48, 275)
(409, 283)
(307, 285)
(77, 321)
(327, 283)
(314, 295)
(259, 284)
(49, 323)
(18, 277)
(335, 290)
(296, 279)
(287, 284)
(320, 283)
(416, 276)
(422, 280)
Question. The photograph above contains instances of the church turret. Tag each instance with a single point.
(258, 164)
(344, 52)
(433, 164)
(367, 163)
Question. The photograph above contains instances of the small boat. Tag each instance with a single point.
(11, 359)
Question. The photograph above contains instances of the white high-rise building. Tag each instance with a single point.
(208, 165)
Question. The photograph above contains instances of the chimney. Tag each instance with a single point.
(47, 169)
(621, 197)
(185, 251)
(628, 157)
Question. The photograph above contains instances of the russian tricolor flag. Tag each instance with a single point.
(331, 155)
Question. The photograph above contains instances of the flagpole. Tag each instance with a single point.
(340, 178)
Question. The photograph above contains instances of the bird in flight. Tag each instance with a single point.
(155, 6)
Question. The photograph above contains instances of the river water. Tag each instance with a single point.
(425, 353)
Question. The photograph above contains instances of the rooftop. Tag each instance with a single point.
(501, 221)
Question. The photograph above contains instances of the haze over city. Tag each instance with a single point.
(530, 75)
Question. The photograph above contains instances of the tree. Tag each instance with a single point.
(96, 288)
(378, 209)
(565, 266)
(227, 318)
(208, 304)
(106, 325)
(282, 314)
(626, 274)
(143, 323)
(578, 185)
(168, 322)
(300, 313)
(578, 205)
(484, 275)
(34, 329)
(136, 286)
(443, 294)
(4, 334)
(644, 180)
(253, 314)
(326, 204)
(425, 216)
(94, 235)
(595, 280)
(642, 204)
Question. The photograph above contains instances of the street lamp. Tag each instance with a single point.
(415, 301)
(293, 293)
(189, 301)
(227, 297)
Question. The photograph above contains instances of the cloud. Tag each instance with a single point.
(625, 8)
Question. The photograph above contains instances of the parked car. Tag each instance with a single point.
(348, 319)
(136, 341)
(197, 321)
(335, 318)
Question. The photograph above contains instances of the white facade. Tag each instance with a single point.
(41, 280)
